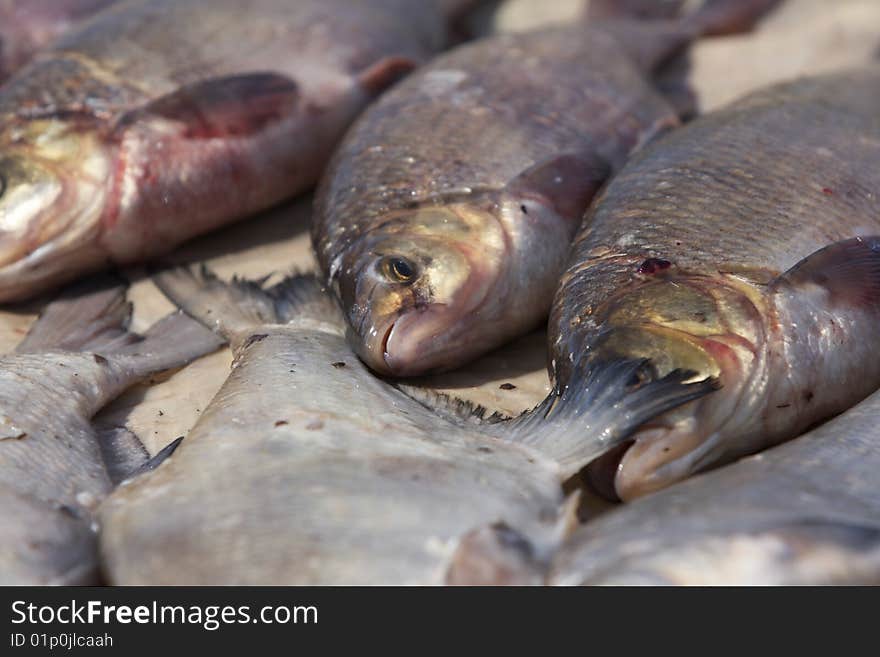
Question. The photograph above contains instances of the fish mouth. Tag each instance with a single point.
(419, 342)
(622, 474)
(385, 339)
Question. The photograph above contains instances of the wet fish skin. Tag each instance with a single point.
(445, 216)
(163, 119)
(75, 359)
(307, 469)
(447, 211)
(806, 512)
(709, 253)
(27, 26)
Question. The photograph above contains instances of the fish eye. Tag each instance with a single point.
(398, 270)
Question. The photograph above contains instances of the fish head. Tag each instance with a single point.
(52, 182)
(414, 290)
(706, 328)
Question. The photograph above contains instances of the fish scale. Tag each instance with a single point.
(305, 468)
(743, 248)
(388, 159)
(475, 171)
(444, 218)
(162, 119)
(749, 187)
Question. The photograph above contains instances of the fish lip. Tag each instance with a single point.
(385, 339)
(409, 360)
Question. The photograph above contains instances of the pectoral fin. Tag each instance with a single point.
(567, 182)
(232, 106)
(848, 271)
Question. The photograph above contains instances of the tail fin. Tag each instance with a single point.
(227, 308)
(89, 316)
(598, 410)
(94, 317)
(303, 296)
(237, 306)
(171, 342)
(655, 43)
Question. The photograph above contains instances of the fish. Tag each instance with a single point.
(444, 218)
(55, 467)
(160, 120)
(306, 468)
(740, 253)
(28, 26)
(803, 513)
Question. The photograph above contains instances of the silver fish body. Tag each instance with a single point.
(53, 467)
(742, 249)
(307, 469)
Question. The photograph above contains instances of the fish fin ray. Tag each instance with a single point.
(172, 342)
(152, 463)
(450, 407)
(726, 17)
(849, 271)
(634, 9)
(88, 316)
(122, 450)
(599, 410)
(225, 307)
(304, 296)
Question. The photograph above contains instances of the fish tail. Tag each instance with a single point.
(93, 316)
(228, 308)
(599, 409)
(233, 308)
(90, 316)
(172, 342)
(304, 296)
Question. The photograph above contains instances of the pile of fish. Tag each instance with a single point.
(709, 280)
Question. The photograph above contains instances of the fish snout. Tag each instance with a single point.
(48, 225)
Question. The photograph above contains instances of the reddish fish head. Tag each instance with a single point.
(710, 328)
(417, 290)
(52, 186)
